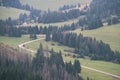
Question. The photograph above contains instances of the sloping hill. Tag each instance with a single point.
(6, 12)
(109, 34)
(52, 4)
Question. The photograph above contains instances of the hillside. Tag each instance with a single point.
(109, 34)
(11, 12)
(52, 4)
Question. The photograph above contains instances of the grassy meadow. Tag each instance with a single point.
(52, 4)
(6, 12)
(13, 41)
(108, 34)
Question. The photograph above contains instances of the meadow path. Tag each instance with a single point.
(22, 46)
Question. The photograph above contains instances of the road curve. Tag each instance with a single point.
(89, 68)
(24, 48)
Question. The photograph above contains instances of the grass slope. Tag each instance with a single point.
(101, 65)
(13, 41)
(11, 12)
(108, 34)
(52, 4)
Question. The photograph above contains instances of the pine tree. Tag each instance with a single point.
(77, 66)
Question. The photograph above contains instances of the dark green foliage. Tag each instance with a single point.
(7, 28)
(12, 3)
(94, 23)
(33, 36)
(70, 68)
(54, 16)
(53, 66)
(48, 38)
(77, 66)
(15, 4)
(65, 7)
(104, 8)
(112, 20)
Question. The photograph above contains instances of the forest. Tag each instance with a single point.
(40, 67)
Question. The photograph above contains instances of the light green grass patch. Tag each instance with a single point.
(13, 41)
(108, 34)
(52, 4)
(94, 75)
(48, 45)
(100, 65)
(6, 12)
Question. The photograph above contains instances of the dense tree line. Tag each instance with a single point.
(86, 46)
(54, 16)
(66, 7)
(17, 65)
(47, 30)
(7, 28)
(10, 28)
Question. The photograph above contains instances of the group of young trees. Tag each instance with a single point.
(86, 46)
(16, 65)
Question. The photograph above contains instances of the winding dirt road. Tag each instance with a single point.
(89, 68)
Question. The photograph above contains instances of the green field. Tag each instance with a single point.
(101, 65)
(48, 45)
(10, 12)
(51, 4)
(94, 75)
(13, 41)
(108, 34)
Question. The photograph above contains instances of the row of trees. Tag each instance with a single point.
(15, 65)
(86, 46)
(66, 7)
(10, 28)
